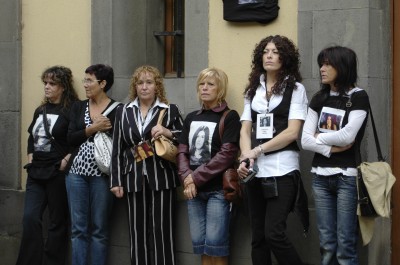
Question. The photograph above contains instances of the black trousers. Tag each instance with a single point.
(34, 250)
(268, 222)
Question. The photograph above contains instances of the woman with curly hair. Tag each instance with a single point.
(273, 91)
(47, 162)
(147, 180)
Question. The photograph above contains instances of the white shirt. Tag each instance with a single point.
(324, 142)
(283, 162)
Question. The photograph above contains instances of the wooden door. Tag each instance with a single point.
(396, 131)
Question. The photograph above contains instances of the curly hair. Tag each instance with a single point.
(158, 79)
(289, 72)
(62, 76)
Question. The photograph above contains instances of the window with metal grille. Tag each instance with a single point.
(174, 38)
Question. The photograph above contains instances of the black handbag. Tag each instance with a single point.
(262, 11)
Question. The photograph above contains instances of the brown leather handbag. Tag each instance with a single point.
(230, 178)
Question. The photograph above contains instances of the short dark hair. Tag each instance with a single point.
(344, 60)
(102, 72)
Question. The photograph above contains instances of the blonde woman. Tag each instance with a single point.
(209, 212)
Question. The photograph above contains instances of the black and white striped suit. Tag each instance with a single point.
(149, 184)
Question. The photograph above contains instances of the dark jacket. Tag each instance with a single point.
(125, 171)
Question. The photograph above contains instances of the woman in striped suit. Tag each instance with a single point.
(148, 181)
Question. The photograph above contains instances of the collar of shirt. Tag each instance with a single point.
(219, 108)
(157, 103)
(351, 91)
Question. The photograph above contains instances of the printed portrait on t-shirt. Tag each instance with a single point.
(200, 138)
(330, 119)
(40, 140)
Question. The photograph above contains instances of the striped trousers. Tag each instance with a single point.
(151, 215)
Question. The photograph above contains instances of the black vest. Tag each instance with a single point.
(281, 114)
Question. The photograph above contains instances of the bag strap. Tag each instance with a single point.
(48, 134)
(160, 117)
(111, 108)
(378, 146)
(221, 123)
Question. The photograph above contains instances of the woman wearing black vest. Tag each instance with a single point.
(273, 91)
(334, 165)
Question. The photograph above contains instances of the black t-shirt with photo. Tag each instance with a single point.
(205, 125)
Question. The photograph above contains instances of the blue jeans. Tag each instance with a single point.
(336, 210)
(209, 215)
(90, 203)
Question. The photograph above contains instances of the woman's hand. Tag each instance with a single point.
(338, 149)
(118, 191)
(190, 190)
(243, 168)
(64, 162)
(160, 130)
(101, 123)
(250, 154)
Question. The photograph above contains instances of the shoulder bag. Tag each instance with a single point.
(103, 146)
(230, 178)
(374, 183)
(165, 148)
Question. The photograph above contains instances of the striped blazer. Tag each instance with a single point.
(125, 171)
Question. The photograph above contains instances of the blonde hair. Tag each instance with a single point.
(160, 89)
(221, 80)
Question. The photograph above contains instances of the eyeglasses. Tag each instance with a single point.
(89, 81)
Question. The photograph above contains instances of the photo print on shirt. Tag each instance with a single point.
(330, 119)
(40, 140)
(200, 137)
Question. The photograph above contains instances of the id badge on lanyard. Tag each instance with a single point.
(265, 126)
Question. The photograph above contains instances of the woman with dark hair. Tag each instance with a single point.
(89, 197)
(334, 166)
(273, 91)
(209, 212)
(199, 149)
(47, 161)
(147, 180)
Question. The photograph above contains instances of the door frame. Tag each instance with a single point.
(395, 23)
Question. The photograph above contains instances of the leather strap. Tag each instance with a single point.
(161, 116)
(48, 134)
(221, 123)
